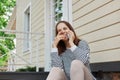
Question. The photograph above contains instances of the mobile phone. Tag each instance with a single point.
(68, 36)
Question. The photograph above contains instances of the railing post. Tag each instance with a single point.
(37, 54)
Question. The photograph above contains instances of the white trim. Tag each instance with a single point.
(67, 10)
(30, 43)
(70, 11)
(28, 7)
(47, 37)
(52, 20)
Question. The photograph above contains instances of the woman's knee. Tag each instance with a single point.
(77, 64)
(56, 73)
(77, 69)
(57, 70)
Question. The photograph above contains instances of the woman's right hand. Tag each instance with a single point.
(57, 39)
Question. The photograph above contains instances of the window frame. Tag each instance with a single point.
(67, 14)
(27, 29)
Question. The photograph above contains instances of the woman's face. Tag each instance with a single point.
(62, 29)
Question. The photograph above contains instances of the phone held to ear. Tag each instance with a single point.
(68, 36)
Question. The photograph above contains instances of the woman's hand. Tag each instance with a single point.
(71, 37)
(57, 39)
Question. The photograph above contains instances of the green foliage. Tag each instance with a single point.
(3, 60)
(3, 49)
(6, 44)
(3, 22)
(58, 9)
(6, 7)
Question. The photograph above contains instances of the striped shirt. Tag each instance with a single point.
(63, 61)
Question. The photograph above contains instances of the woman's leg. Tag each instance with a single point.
(79, 72)
(56, 74)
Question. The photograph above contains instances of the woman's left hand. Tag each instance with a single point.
(71, 37)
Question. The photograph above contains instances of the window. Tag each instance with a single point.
(60, 10)
(27, 29)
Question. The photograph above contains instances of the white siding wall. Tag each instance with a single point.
(37, 26)
(20, 27)
(98, 22)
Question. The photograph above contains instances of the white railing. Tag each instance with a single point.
(11, 63)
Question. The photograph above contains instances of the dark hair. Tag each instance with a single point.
(61, 45)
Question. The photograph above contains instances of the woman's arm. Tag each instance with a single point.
(56, 60)
(82, 51)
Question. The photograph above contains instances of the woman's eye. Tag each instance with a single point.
(65, 28)
(59, 30)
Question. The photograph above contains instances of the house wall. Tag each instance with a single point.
(95, 21)
(98, 22)
(20, 27)
(37, 25)
(36, 54)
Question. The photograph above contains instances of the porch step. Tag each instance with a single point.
(23, 75)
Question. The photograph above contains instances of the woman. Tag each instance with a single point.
(69, 55)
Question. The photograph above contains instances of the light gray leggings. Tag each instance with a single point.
(77, 72)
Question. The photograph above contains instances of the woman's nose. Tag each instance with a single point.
(62, 31)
